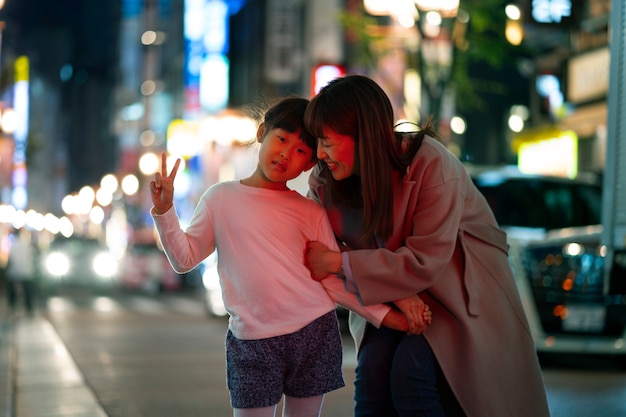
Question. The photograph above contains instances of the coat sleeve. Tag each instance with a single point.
(428, 212)
(335, 287)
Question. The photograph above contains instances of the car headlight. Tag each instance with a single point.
(57, 264)
(105, 265)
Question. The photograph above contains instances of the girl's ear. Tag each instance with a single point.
(260, 132)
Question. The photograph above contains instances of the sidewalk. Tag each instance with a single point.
(38, 376)
(6, 375)
(6, 371)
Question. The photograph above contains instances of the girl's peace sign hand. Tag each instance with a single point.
(162, 187)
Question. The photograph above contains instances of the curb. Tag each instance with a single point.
(7, 368)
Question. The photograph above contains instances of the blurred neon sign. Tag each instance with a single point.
(19, 194)
(553, 152)
(551, 11)
(206, 27)
(324, 73)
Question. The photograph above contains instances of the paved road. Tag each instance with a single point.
(143, 356)
(138, 355)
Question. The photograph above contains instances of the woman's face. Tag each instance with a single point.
(337, 151)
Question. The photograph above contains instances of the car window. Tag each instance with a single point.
(541, 203)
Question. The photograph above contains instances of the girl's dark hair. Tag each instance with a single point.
(288, 114)
(356, 106)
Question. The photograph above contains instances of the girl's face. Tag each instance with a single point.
(282, 157)
(337, 151)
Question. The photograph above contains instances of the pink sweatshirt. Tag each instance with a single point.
(261, 236)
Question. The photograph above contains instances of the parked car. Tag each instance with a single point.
(554, 231)
(78, 261)
(145, 268)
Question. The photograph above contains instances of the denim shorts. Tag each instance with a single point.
(303, 364)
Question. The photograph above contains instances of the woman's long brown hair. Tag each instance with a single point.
(356, 106)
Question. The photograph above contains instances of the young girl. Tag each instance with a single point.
(283, 335)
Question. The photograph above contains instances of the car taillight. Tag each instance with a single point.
(565, 278)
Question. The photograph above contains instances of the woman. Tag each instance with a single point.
(409, 221)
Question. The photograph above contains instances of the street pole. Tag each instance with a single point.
(614, 187)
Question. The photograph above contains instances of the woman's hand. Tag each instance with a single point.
(321, 261)
(417, 313)
(162, 187)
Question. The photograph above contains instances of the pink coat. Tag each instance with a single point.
(446, 245)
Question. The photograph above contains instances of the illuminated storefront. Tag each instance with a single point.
(548, 151)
